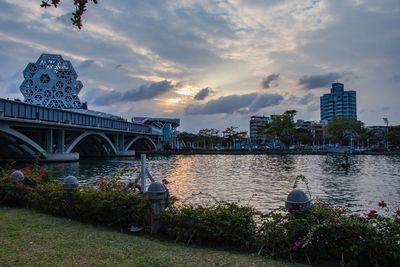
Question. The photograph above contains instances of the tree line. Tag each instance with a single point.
(282, 129)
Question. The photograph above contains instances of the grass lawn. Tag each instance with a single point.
(28, 238)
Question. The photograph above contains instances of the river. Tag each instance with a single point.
(262, 181)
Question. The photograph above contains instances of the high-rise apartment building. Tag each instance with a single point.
(339, 103)
(257, 127)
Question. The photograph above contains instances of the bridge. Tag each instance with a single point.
(28, 130)
(53, 123)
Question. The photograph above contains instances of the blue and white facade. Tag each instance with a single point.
(339, 103)
(51, 82)
(166, 127)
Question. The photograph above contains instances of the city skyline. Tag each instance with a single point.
(217, 64)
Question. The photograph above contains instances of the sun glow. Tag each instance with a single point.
(185, 91)
(173, 100)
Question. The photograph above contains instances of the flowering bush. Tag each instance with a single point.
(110, 184)
(327, 234)
(17, 194)
(113, 183)
(33, 175)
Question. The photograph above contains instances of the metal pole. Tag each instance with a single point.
(143, 172)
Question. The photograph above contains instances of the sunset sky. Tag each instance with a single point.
(213, 64)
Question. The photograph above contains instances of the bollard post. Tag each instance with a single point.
(157, 195)
(143, 172)
(70, 183)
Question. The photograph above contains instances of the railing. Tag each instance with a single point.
(20, 110)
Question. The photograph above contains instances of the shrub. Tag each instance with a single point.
(113, 209)
(224, 223)
(11, 194)
(326, 234)
(116, 208)
(14, 196)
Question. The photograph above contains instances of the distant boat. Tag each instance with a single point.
(345, 165)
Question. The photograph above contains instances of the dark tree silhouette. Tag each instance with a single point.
(80, 8)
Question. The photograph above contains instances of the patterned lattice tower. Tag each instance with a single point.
(51, 82)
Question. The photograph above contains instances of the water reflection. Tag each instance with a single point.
(260, 180)
(339, 184)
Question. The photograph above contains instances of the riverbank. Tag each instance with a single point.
(261, 152)
(30, 238)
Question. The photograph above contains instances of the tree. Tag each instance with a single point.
(302, 137)
(206, 138)
(210, 137)
(189, 139)
(393, 136)
(343, 129)
(166, 145)
(282, 126)
(80, 8)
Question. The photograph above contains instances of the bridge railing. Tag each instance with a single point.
(20, 110)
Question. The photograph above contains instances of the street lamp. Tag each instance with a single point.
(387, 129)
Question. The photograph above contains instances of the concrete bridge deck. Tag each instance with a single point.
(27, 130)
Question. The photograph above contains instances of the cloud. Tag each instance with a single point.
(235, 103)
(85, 64)
(11, 84)
(202, 94)
(307, 99)
(304, 100)
(101, 97)
(319, 80)
(313, 107)
(265, 100)
(266, 83)
(396, 77)
(148, 92)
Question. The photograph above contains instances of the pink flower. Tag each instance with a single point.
(382, 204)
(26, 171)
(60, 165)
(372, 213)
(297, 244)
(397, 212)
(42, 171)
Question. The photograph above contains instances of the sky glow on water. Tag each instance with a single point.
(262, 181)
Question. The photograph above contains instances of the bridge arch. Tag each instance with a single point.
(32, 147)
(137, 138)
(87, 134)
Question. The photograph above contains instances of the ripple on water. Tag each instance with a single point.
(263, 181)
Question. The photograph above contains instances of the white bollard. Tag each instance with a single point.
(143, 181)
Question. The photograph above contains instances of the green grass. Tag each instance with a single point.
(28, 238)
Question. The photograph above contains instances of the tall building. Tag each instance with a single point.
(257, 126)
(339, 103)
